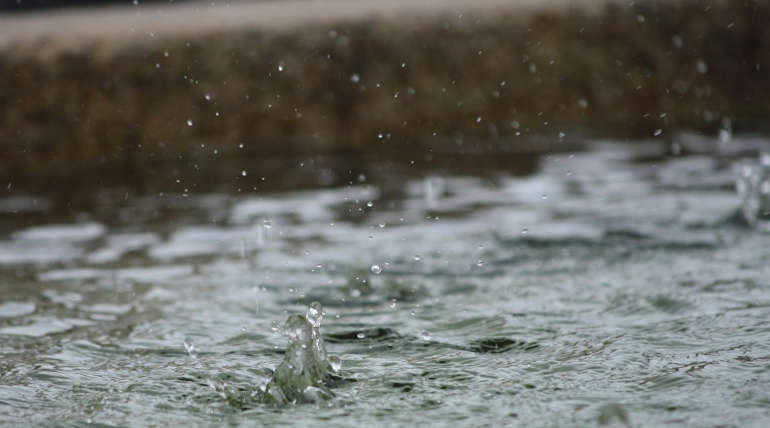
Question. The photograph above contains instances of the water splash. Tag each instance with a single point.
(306, 370)
(753, 186)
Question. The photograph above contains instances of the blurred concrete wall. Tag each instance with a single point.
(133, 87)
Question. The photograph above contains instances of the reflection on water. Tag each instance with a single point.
(611, 285)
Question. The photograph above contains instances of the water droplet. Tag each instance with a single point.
(417, 258)
(189, 122)
(657, 132)
(479, 263)
(335, 363)
(524, 231)
(190, 348)
(243, 173)
(207, 97)
(361, 335)
(280, 67)
(381, 225)
(424, 335)
(315, 314)
(370, 204)
(702, 67)
(376, 269)
(355, 78)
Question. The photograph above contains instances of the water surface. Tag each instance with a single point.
(572, 289)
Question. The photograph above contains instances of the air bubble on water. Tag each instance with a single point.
(392, 304)
(478, 119)
(189, 122)
(376, 269)
(424, 335)
(361, 335)
(381, 225)
(543, 196)
(479, 263)
(370, 204)
(243, 173)
(280, 67)
(524, 231)
(207, 97)
(417, 258)
(267, 224)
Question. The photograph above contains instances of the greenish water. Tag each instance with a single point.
(616, 283)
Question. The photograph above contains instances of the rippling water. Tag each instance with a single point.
(618, 283)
